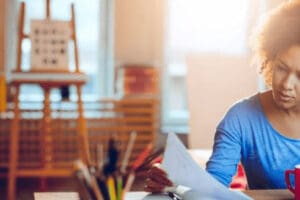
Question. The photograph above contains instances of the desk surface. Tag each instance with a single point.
(270, 194)
(255, 194)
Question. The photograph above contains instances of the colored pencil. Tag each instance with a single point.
(128, 151)
(142, 156)
(111, 188)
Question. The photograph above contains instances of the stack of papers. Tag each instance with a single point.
(183, 170)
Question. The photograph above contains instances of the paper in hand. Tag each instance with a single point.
(183, 170)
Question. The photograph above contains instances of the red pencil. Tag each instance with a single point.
(154, 157)
(142, 156)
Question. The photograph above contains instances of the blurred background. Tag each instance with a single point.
(171, 35)
(191, 56)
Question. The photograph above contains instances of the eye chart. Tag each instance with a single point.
(49, 45)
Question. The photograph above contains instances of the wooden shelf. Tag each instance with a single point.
(45, 173)
(53, 79)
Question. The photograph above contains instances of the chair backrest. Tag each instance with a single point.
(119, 118)
(105, 119)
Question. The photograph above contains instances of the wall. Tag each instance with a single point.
(139, 35)
(2, 55)
(273, 3)
(8, 34)
(139, 31)
(214, 83)
(2, 34)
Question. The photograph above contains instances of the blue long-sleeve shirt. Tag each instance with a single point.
(246, 135)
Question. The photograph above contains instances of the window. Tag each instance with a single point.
(196, 27)
(94, 44)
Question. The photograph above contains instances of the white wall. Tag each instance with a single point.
(215, 82)
(139, 32)
(2, 34)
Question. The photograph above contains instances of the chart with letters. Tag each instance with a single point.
(49, 43)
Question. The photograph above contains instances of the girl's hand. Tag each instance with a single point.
(157, 180)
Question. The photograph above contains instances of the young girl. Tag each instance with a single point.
(262, 131)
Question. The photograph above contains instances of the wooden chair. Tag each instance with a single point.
(118, 118)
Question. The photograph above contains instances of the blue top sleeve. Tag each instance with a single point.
(245, 135)
(226, 150)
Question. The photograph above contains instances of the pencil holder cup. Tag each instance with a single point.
(114, 187)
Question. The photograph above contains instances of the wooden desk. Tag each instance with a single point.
(270, 194)
(255, 194)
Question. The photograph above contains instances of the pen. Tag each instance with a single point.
(85, 190)
(176, 192)
(112, 158)
(103, 187)
(90, 181)
(174, 196)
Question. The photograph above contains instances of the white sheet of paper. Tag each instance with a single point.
(136, 195)
(56, 196)
(183, 170)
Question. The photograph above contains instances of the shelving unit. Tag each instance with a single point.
(133, 79)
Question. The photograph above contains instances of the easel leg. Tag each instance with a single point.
(14, 148)
(83, 134)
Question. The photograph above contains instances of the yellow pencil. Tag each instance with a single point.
(111, 188)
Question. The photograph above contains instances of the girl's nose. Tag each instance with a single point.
(288, 82)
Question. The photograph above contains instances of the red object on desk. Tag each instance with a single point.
(239, 181)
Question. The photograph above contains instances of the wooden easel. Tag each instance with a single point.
(54, 79)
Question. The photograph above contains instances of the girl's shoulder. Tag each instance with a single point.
(248, 105)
